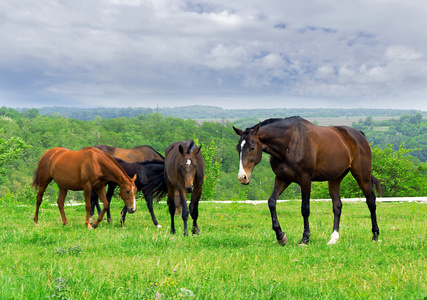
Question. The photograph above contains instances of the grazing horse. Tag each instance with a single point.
(184, 172)
(302, 152)
(88, 169)
(150, 180)
(136, 154)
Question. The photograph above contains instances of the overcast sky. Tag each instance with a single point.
(232, 54)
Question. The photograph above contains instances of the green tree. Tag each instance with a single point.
(212, 169)
(10, 149)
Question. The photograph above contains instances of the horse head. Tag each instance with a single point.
(127, 193)
(187, 165)
(249, 148)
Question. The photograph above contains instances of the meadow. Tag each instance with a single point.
(235, 256)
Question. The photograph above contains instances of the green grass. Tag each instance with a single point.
(236, 255)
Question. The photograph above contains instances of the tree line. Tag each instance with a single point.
(398, 155)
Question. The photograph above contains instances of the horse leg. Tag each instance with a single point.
(42, 189)
(171, 203)
(305, 209)
(185, 211)
(61, 201)
(149, 200)
(367, 189)
(365, 179)
(123, 216)
(106, 204)
(279, 187)
(94, 203)
(88, 205)
(334, 192)
(110, 192)
(194, 209)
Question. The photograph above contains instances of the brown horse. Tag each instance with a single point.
(184, 173)
(88, 169)
(136, 154)
(302, 152)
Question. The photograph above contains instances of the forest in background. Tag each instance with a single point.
(203, 112)
(398, 145)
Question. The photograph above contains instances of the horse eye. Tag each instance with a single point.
(252, 148)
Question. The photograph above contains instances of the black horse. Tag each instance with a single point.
(150, 180)
(302, 152)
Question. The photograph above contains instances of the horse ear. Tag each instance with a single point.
(134, 178)
(181, 150)
(238, 131)
(256, 128)
(196, 151)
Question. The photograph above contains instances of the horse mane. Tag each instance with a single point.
(110, 158)
(277, 120)
(190, 146)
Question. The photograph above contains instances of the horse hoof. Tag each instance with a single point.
(195, 230)
(159, 226)
(375, 237)
(304, 242)
(283, 241)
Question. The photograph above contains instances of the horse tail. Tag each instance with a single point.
(36, 179)
(156, 183)
(377, 184)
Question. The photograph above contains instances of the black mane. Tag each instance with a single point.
(276, 120)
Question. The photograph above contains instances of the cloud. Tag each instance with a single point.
(139, 52)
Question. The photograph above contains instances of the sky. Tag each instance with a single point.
(231, 54)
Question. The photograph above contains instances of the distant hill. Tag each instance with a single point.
(219, 114)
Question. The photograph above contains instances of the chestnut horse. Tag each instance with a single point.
(88, 169)
(134, 155)
(150, 180)
(184, 173)
(302, 152)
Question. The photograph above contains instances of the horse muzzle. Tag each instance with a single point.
(131, 210)
(189, 189)
(244, 179)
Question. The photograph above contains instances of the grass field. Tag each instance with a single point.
(235, 256)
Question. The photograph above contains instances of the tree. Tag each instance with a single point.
(10, 149)
(212, 169)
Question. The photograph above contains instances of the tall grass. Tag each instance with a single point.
(234, 257)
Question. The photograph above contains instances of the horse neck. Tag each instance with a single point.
(274, 140)
(113, 172)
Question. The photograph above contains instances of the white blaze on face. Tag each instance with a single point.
(188, 162)
(134, 200)
(242, 172)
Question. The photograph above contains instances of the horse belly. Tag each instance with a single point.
(67, 178)
(331, 165)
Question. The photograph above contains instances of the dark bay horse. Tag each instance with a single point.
(88, 169)
(136, 154)
(150, 180)
(184, 173)
(302, 152)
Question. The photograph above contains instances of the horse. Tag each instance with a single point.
(136, 154)
(150, 180)
(88, 169)
(133, 155)
(184, 173)
(302, 152)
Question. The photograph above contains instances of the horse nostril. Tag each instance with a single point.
(189, 189)
(244, 177)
